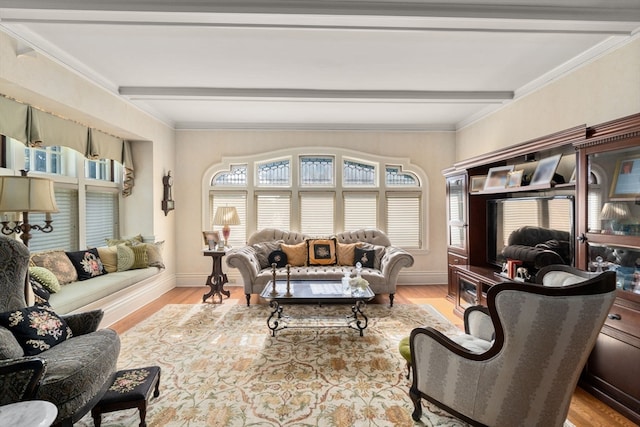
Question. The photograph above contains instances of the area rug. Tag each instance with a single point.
(221, 367)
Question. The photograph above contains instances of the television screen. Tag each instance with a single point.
(505, 216)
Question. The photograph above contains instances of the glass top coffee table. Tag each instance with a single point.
(320, 292)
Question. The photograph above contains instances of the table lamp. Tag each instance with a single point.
(226, 216)
(613, 214)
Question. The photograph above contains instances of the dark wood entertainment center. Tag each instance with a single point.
(599, 165)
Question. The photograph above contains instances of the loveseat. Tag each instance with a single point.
(319, 258)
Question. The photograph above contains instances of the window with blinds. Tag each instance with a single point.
(317, 213)
(238, 236)
(65, 224)
(360, 210)
(273, 210)
(403, 219)
(101, 217)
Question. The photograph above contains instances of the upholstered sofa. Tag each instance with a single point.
(382, 261)
(79, 359)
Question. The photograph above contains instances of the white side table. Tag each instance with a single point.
(30, 413)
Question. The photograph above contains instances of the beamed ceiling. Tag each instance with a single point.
(359, 64)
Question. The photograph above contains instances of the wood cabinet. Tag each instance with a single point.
(608, 221)
(600, 167)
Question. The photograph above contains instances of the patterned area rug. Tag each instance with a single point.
(221, 367)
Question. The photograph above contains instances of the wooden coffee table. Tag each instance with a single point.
(319, 292)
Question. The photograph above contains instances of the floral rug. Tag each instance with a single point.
(221, 367)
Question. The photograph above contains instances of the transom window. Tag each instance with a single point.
(306, 192)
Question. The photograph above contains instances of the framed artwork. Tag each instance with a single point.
(515, 178)
(626, 179)
(497, 178)
(477, 183)
(545, 170)
(211, 238)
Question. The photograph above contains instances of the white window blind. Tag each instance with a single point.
(404, 220)
(65, 224)
(360, 210)
(559, 211)
(238, 236)
(101, 217)
(316, 213)
(273, 211)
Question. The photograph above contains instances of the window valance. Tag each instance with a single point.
(37, 128)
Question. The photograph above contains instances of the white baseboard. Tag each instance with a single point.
(124, 302)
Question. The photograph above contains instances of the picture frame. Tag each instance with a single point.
(626, 179)
(211, 239)
(545, 170)
(514, 178)
(477, 183)
(497, 178)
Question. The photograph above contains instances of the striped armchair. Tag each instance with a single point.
(543, 336)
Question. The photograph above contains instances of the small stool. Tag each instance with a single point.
(405, 351)
(131, 388)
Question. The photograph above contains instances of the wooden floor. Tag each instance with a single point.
(585, 411)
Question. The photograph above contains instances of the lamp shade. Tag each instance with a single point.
(226, 215)
(616, 211)
(26, 194)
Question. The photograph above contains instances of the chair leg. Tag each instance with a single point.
(417, 405)
(408, 370)
(248, 296)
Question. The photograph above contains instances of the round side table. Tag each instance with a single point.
(30, 413)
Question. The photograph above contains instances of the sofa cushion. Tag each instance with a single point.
(154, 254)
(87, 263)
(130, 241)
(109, 258)
(45, 277)
(296, 254)
(264, 249)
(278, 258)
(379, 250)
(132, 257)
(58, 263)
(40, 293)
(365, 257)
(36, 328)
(322, 251)
(345, 253)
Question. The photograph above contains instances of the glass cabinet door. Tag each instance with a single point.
(456, 212)
(613, 215)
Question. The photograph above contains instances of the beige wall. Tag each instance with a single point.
(603, 90)
(197, 151)
(44, 84)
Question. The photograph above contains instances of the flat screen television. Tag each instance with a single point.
(507, 215)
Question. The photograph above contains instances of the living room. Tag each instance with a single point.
(599, 89)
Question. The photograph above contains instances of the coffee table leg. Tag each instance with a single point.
(359, 318)
(274, 323)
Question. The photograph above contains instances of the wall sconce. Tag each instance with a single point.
(226, 216)
(167, 202)
(24, 194)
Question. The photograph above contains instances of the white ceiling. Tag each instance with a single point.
(298, 64)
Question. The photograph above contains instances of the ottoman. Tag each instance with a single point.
(131, 388)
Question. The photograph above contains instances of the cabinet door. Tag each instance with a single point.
(457, 212)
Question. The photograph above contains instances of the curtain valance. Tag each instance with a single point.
(37, 128)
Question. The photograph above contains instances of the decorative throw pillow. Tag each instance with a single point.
(131, 241)
(40, 293)
(87, 263)
(154, 254)
(58, 263)
(264, 249)
(379, 250)
(322, 251)
(296, 254)
(345, 252)
(36, 328)
(45, 277)
(279, 258)
(109, 258)
(364, 257)
(132, 257)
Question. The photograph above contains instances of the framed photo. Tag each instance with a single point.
(545, 170)
(497, 178)
(515, 178)
(626, 179)
(211, 238)
(477, 183)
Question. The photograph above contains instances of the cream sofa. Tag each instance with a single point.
(256, 272)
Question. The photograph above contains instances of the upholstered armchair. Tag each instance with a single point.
(73, 373)
(542, 338)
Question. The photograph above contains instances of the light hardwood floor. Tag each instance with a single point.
(585, 411)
